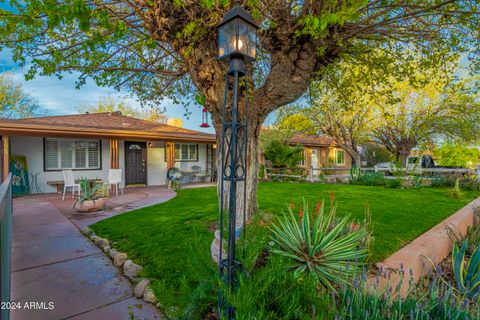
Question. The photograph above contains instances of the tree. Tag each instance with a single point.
(168, 48)
(282, 155)
(112, 104)
(14, 102)
(428, 111)
(296, 123)
(457, 155)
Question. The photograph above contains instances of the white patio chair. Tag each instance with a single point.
(115, 178)
(69, 182)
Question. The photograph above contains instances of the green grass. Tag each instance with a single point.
(160, 237)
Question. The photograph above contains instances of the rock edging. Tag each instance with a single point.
(130, 269)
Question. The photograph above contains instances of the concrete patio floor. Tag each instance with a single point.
(53, 262)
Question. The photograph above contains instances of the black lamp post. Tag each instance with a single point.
(237, 44)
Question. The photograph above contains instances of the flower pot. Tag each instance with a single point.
(90, 205)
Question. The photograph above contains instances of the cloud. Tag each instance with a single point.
(59, 96)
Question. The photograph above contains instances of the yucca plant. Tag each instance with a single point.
(331, 249)
(467, 275)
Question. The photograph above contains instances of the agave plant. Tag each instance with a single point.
(88, 193)
(467, 275)
(322, 245)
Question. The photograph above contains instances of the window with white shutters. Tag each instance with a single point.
(186, 152)
(60, 154)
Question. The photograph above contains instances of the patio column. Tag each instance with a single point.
(5, 157)
(114, 158)
(170, 154)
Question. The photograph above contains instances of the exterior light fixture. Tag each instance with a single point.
(237, 44)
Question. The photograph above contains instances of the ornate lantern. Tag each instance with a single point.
(237, 36)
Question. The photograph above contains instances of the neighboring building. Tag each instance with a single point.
(321, 152)
(91, 144)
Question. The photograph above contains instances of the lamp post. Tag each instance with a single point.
(237, 44)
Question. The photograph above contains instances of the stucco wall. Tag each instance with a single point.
(32, 149)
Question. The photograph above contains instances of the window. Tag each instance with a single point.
(339, 156)
(186, 152)
(62, 154)
(303, 162)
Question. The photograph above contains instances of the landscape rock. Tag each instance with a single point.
(112, 253)
(87, 231)
(149, 296)
(100, 242)
(119, 259)
(131, 269)
(106, 249)
(94, 238)
(140, 288)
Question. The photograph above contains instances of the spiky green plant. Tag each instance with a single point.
(467, 275)
(322, 245)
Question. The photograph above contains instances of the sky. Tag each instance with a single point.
(59, 97)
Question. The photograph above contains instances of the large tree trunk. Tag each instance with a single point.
(245, 196)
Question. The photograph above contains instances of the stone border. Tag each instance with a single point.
(435, 244)
(130, 269)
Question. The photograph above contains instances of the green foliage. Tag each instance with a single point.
(320, 245)
(112, 104)
(355, 174)
(467, 274)
(296, 123)
(14, 102)
(87, 192)
(371, 179)
(283, 156)
(393, 183)
(456, 192)
(271, 292)
(374, 154)
(457, 155)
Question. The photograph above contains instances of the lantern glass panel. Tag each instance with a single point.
(247, 39)
(227, 35)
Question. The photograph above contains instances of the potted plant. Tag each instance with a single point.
(88, 200)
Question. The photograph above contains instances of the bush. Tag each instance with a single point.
(393, 183)
(371, 179)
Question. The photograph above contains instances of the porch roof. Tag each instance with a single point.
(100, 125)
(311, 140)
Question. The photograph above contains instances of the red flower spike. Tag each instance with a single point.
(318, 207)
(292, 205)
(332, 196)
(300, 213)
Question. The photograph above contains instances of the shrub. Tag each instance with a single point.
(321, 245)
(393, 183)
(372, 179)
(456, 192)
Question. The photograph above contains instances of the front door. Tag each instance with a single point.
(135, 162)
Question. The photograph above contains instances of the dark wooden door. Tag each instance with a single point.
(135, 162)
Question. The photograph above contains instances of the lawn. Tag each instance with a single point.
(161, 237)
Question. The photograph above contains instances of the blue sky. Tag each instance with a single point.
(60, 96)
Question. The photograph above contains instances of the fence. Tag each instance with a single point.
(5, 244)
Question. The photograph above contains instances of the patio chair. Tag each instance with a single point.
(115, 178)
(198, 174)
(69, 182)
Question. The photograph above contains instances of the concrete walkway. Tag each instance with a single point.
(54, 264)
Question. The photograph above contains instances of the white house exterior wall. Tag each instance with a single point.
(32, 149)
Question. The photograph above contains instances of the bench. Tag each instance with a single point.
(59, 183)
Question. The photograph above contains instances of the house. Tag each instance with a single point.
(91, 144)
(321, 152)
